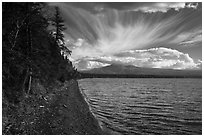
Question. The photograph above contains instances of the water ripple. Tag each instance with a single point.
(146, 106)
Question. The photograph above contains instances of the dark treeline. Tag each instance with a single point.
(33, 50)
(88, 75)
(30, 49)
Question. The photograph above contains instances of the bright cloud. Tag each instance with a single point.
(117, 34)
(192, 5)
(151, 58)
(115, 39)
(133, 30)
(88, 63)
(161, 7)
(164, 7)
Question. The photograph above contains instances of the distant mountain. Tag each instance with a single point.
(132, 71)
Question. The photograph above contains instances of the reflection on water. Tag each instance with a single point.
(146, 106)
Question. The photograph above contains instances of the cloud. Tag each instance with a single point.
(150, 7)
(161, 7)
(87, 63)
(193, 5)
(151, 58)
(101, 32)
(97, 7)
(82, 23)
(136, 35)
(199, 64)
(191, 39)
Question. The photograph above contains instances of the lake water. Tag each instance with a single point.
(146, 106)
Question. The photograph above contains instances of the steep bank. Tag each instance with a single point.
(76, 114)
(56, 109)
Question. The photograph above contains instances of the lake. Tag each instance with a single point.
(146, 105)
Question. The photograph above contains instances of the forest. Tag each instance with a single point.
(33, 63)
(82, 75)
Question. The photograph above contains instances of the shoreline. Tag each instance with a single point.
(56, 109)
(105, 130)
(78, 115)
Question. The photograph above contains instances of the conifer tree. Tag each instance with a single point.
(58, 23)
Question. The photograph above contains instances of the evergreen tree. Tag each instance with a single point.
(29, 50)
(31, 57)
(26, 44)
(20, 21)
(58, 23)
(65, 68)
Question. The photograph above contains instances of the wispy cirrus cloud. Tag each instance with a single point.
(99, 32)
(113, 23)
(192, 39)
(137, 35)
(97, 7)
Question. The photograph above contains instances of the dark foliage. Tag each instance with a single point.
(30, 52)
(30, 49)
(59, 26)
(93, 75)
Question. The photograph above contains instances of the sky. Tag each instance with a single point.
(154, 35)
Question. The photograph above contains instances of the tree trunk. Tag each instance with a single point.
(29, 50)
(30, 82)
(25, 79)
